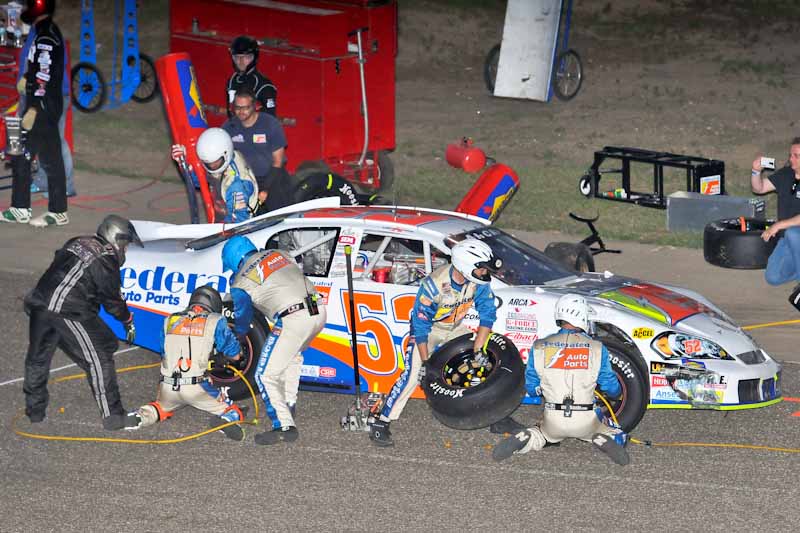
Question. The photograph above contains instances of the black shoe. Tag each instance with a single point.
(234, 432)
(508, 446)
(35, 418)
(506, 425)
(611, 448)
(794, 298)
(380, 435)
(117, 422)
(285, 434)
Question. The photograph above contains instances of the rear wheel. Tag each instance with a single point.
(737, 243)
(567, 75)
(256, 337)
(148, 81)
(490, 67)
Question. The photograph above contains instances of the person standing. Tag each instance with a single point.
(564, 370)
(271, 281)
(259, 137)
(244, 55)
(44, 107)
(783, 264)
(188, 339)
(443, 299)
(63, 310)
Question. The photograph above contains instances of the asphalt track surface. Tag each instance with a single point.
(433, 479)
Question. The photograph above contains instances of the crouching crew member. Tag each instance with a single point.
(188, 339)
(64, 309)
(564, 370)
(271, 281)
(443, 299)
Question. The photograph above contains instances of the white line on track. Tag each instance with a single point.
(17, 380)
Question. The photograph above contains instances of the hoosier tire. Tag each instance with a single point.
(726, 245)
(632, 404)
(481, 405)
(256, 337)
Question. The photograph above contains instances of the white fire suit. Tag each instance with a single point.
(272, 282)
(436, 317)
(188, 339)
(565, 368)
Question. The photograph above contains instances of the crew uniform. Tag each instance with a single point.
(271, 281)
(44, 74)
(249, 78)
(64, 308)
(439, 308)
(188, 339)
(239, 190)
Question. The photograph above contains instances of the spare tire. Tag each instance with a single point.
(573, 255)
(327, 184)
(726, 245)
(458, 404)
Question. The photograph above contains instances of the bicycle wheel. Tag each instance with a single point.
(148, 81)
(490, 67)
(568, 75)
(88, 87)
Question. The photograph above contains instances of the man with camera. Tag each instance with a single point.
(784, 262)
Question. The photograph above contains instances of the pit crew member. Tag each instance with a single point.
(244, 55)
(41, 87)
(63, 309)
(271, 281)
(443, 299)
(259, 137)
(237, 186)
(564, 371)
(188, 340)
(783, 264)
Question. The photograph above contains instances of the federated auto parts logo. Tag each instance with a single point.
(161, 286)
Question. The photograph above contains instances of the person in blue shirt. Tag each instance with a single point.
(563, 371)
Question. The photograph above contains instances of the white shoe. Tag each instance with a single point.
(50, 219)
(20, 215)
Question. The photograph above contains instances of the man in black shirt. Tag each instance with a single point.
(784, 262)
(244, 54)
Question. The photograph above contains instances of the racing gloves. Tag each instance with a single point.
(130, 331)
(423, 372)
(21, 85)
(28, 119)
(481, 358)
(178, 152)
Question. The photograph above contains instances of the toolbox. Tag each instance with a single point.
(691, 211)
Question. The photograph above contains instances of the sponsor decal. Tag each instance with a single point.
(710, 184)
(659, 381)
(439, 389)
(161, 286)
(643, 333)
(520, 302)
(259, 138)
(327, 372)
(498, 340)
(521, 322)
(309, 371)
(666, 394)
(623, 366)
(347, 239)
(568, 358)
(522, 338)
(347, 190)
(42, 46)
(691, 346)
(238, 138)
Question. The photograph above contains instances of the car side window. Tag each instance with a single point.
(312, 248)
(399, 260)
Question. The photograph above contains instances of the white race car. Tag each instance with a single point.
(670, 347)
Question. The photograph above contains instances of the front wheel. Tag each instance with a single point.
(586, 185)
(88, 87)
(630, 407)
(567, 75)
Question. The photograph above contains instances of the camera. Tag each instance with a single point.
(768, 163)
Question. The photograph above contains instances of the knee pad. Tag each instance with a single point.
(232, 413)
(536, 442)
(160, 413)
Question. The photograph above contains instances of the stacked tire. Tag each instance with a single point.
(737, 243)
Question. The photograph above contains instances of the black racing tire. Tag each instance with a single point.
(490, 67)
(480, 405)
(256, 337)
(148, 81)
(88, 87)
(307, 168)
(630, 407)
(325, 185)
(726, 245)
(573, 255)
(586, 185)
(567, 75)
(386, 172)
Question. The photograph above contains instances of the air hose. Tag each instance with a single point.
(40, 436)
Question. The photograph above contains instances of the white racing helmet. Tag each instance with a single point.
(212, 145)
(573, 308)
(470, 254)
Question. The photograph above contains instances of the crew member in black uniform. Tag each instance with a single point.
(63, 309)
(44, 103)
(244, 54)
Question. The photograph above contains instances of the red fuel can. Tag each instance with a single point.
(465, 155)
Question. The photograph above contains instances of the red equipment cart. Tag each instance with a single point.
(311, 50)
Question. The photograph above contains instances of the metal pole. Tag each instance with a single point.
(353, 338)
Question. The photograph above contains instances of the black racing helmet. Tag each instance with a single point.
(208, 298)
(35, 8)
(245, 45)
(119, 233)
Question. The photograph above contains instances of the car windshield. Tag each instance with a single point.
(222, 236)
(522, 264)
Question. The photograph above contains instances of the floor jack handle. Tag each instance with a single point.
(353, 338)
